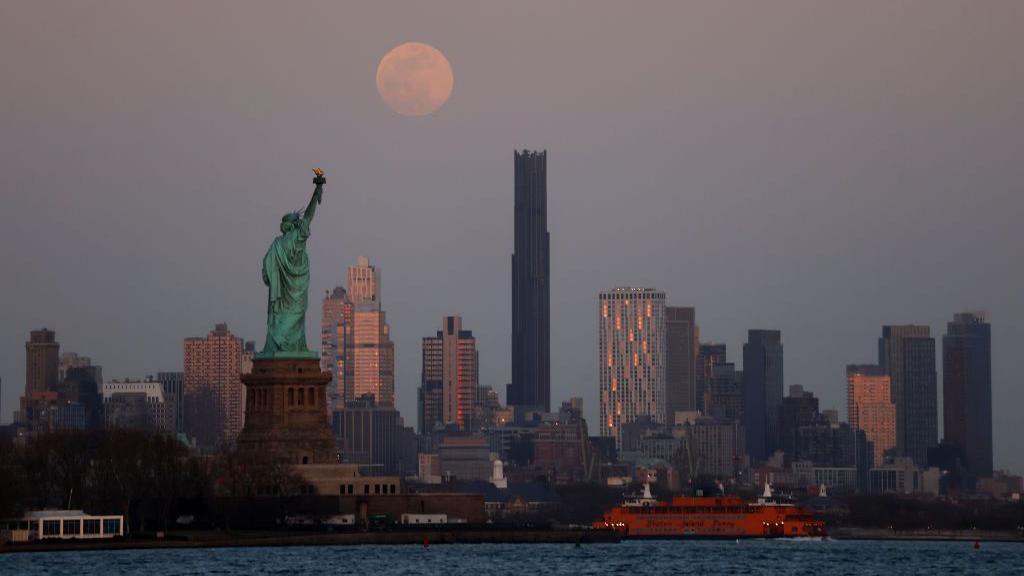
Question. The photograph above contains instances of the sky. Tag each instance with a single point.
(821, 168)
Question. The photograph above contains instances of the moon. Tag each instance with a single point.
(414, 79)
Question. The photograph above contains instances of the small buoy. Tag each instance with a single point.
(426, 542)
(977, 545)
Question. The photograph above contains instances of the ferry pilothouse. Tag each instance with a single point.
(643, 516)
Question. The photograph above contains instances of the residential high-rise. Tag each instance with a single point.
(530, 390)
(336, 346)
(680, 359)
(869, 407)
(907, 354)
(632, 356)
(967, 390)
(762, 391)
(450, 375)
(708, 356)
(214, 396)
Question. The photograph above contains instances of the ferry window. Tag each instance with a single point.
(366, 488)
(111, 525)
(312, 398)
(72, 527)
(51, 527)
(302, 396)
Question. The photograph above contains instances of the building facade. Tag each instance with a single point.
(42, 372)
(214, 395)
(632, 356)
(869, 407)
(530, 390)
(451, 359)
(967, 390)
(762, 391)
(907, 354)
(335, 346)
(138, 405)
(708, 356)
(680, 362)
(369, 435)
(173, 384)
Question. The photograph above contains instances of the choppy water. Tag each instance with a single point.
(665, 558)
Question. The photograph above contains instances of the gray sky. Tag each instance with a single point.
(818, 167)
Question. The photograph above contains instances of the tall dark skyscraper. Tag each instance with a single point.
(907, 354)
(708, 356)
(762, 392)
(530, 390)
(680, 357)
(967, 390)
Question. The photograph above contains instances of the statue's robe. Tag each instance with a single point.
(286, 272)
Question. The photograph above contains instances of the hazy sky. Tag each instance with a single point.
(818, 167)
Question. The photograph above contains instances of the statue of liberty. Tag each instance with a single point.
(286, 273)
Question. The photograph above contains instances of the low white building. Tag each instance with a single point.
(62, 525)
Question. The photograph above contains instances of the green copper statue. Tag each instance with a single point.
(286, 273)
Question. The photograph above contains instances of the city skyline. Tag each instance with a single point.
(825, 232)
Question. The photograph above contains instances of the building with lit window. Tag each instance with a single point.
(335, 346)
(450, 378)
(631, 352)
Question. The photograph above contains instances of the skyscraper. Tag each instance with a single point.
(907, 354)
(450, 377)
(967, 390)
(363, 282)
(680, 360)
(214, 396)
(355, 339)
(336, 346)
(632, 356)
(708, 356)
(173, 384)
(373, 355)
(530, 390)
(42, 372)
(762, 391)
(42, 369)
(869, 407)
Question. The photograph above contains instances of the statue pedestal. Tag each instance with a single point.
(286, 411)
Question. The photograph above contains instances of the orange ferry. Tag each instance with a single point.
(644, 516)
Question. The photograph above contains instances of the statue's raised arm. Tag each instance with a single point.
(318, 194)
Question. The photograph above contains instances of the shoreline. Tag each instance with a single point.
(244, 539)
(255, 539)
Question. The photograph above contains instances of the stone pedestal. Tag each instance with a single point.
(286, 411)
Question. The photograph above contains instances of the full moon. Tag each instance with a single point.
(414, 79)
